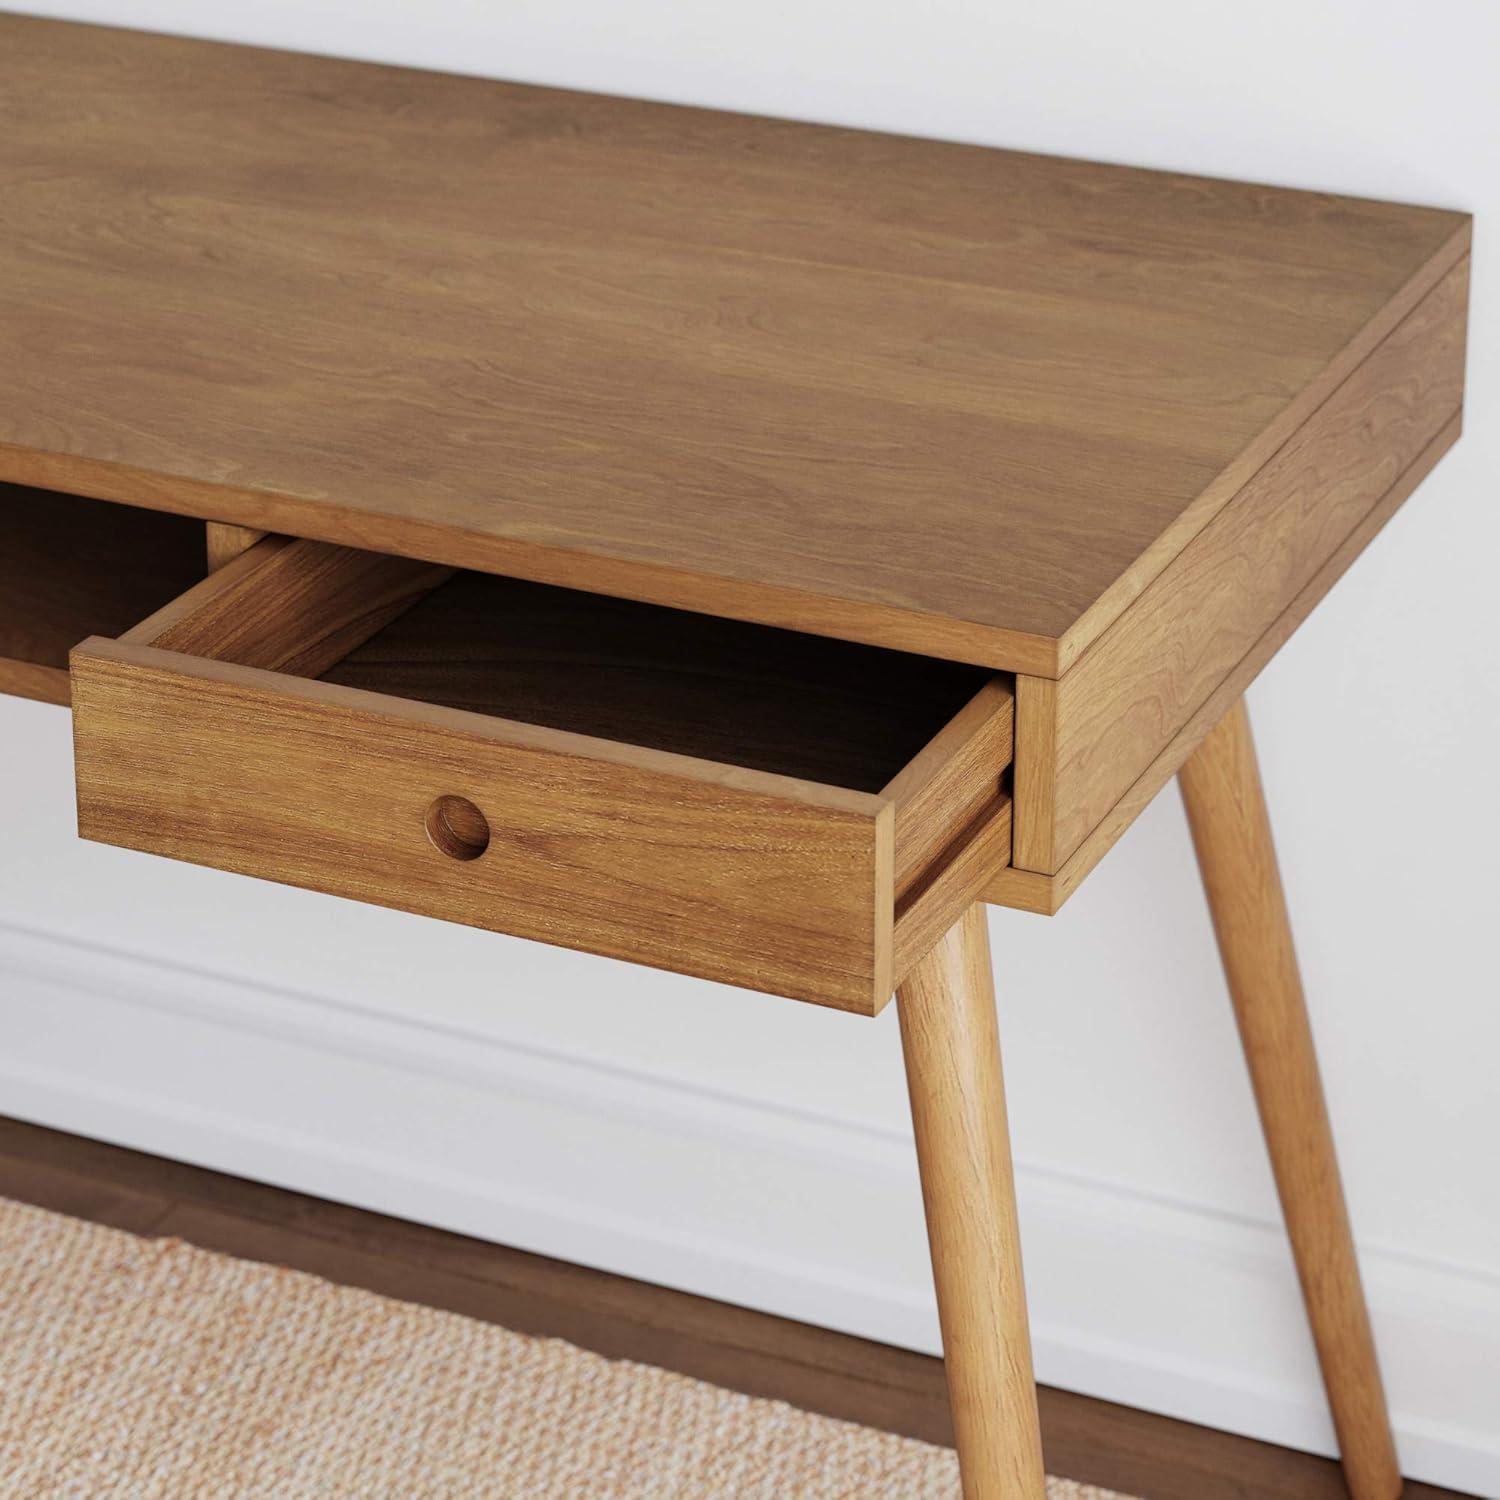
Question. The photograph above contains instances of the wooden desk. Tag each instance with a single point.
(731, 545)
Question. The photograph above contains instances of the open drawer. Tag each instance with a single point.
(780, 811)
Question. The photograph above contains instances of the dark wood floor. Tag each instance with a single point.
(1113, 1446)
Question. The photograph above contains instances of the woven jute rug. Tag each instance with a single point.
(146, 1368)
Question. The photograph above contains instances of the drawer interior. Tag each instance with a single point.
(932, 738)
(748, 695)
(777, 810)
(72, 567)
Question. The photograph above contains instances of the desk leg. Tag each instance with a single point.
(952, 1048)
(1227, 812)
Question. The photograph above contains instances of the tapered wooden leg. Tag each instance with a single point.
(952, 1048)
(1226, 809)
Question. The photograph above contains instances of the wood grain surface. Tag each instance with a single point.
(951, 884)
(25, 679)
(742, 877)
(1119, 708)
(731, 801)
(950, 784)
(1226, 809)
(962, 401)
(1035, 773)
(223, 543)
(951, 1046)
(1026, 890)
(933, 738)
(290, 606)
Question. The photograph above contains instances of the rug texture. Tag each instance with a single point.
(147, 1368)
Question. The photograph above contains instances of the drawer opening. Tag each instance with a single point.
(72, 567)
(771, 700)
(775, 810)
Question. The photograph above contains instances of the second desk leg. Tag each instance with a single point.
(952, 1050)
(1232, 833)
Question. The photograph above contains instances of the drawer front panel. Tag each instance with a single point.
(750, 879)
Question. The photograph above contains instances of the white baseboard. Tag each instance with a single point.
(1159, 1304)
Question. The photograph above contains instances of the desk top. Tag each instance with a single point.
(962, 401)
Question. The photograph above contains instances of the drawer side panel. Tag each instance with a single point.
(1136, 688)
(955, 777)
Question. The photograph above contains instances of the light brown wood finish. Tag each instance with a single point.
(296, 607)
(952, 783)
(1226, 809)
(961, 401)
(1137, 687)
(661, 860)
(983, 405)
(1114, 431)
(25, 679)
(193, 739)
(952, 1049)
(225, 543)
(1035, 772)
(1027, 890)
(935, 903)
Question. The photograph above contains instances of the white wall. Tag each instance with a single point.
(759, 1150)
